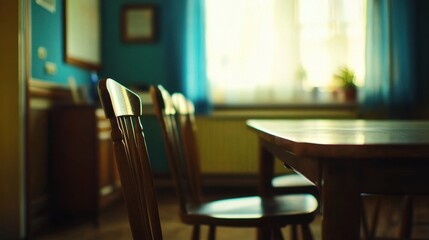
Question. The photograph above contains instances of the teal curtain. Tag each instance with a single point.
(185, 43)
(390, 83)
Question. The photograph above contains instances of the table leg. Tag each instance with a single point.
(266, 171)
(340, 201)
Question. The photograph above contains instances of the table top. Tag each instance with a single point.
(347, 138)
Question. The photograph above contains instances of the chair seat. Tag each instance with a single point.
(291, 180)
(293, 183)
(253, 211)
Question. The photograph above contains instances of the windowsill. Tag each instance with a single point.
(339, 110)
(306, 105)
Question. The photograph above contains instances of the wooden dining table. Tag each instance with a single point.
(346, 158)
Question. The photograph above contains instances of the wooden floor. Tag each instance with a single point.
(113, 223)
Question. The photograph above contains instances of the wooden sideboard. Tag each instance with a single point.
(84, 174)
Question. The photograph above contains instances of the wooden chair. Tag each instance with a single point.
(123, 108)
(268, 214)
(406, 223)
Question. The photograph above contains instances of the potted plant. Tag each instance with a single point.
(347, 78)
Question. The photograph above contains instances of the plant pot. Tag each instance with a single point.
(350, 94)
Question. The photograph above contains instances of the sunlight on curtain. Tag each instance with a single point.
(391, 83)
(281, 51)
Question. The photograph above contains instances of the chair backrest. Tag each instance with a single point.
(181, 169)
(123, 108)
(185, 112)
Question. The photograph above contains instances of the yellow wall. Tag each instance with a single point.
(11, 130)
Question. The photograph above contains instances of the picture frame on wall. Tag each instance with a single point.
(138, 23)
(82, 33)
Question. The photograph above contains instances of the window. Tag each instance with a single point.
(282, 51)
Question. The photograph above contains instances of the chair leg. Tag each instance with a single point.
(263, 234)
(365, 228)
(293, 232)
(212, 232)
(277, 234)
(306, 232)
(407, 218)
(369, 231)
(196, 232)
(375, 218)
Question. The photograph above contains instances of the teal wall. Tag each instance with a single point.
(47, 32)
(132, 63)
